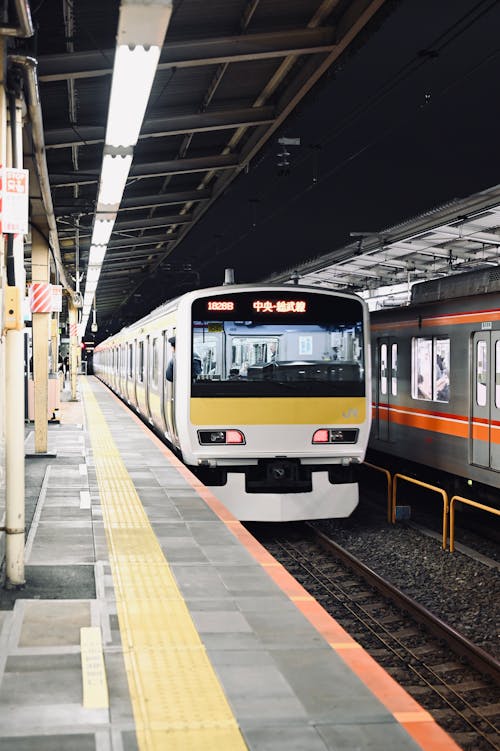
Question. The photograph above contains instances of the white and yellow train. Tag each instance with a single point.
(270, 398)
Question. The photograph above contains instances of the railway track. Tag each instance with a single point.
(456, 681)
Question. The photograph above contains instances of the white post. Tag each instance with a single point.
(14, 408)
(14, 454)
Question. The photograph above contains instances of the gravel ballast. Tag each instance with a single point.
(462, 591)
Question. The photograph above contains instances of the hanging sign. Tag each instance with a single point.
(14, 206)
(56, 298)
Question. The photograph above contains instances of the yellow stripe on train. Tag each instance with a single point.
(298, 411)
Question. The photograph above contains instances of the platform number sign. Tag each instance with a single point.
(14, 200)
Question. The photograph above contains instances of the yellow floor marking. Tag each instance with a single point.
(95, 687)
(177, 700)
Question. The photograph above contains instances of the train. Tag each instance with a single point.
(436, 382)
(268, 394)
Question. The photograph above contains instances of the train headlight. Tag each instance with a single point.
(230, 436)
(335, 435)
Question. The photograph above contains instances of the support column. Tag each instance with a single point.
(14, 415)
(3, 287)
(40, 272)
(15, 384)
(73, 348)
(54, 343)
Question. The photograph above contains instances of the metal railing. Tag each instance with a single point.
(435, 489)
(389, 487)
(468, 502)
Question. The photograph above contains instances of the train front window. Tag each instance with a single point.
(245, 351)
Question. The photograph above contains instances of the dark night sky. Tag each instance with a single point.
(406, 123)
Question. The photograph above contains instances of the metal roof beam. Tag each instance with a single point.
(160, 127)
(165, 199)
(474, 237)
(127, 242)
(156, 222)
(130, 242)
(83, 206)
(153, 169)
(128, 260)
(92, 63)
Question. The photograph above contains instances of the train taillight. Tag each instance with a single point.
(230, 436)
(335, 435)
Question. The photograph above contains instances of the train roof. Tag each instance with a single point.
(472, 283)
(227, 289)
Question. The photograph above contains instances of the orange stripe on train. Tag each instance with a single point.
(439, 422)
(453, 319)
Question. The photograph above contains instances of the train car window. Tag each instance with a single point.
(481, 373)
(130, 360)
(421, 368)
(441, 391)
(430, 369)
(394, 369)
(312, 346)
(140, 364)
(155, 363)
(383, 369)
(497, 374)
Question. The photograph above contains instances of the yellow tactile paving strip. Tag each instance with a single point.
(177, 700)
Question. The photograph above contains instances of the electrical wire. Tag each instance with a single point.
(438, 45)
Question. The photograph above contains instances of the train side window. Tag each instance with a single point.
(481, 372)
(383, 368)
(441, 370)
(155, 362)
(140, 368)
(430, 369)
(130, 361)
(421, 386)
(497, 374)
(394, 369)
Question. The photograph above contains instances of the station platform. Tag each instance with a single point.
(151, 618)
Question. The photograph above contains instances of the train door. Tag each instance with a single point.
(485, 398)
(148, 355)
(169, 390)
(386, 385)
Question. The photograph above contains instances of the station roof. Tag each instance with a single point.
(458, 237)
(249, 97)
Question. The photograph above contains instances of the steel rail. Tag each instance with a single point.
(475, 656)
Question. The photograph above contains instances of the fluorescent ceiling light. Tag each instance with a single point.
(90, 288)
(133, 74)
(93, 273)
(114, 175)
(143, 22)
(96, 255)
(102, 231)
(141, 31)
